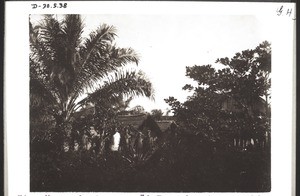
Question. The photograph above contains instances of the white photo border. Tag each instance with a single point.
(16, 80)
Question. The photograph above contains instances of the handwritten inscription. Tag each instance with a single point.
(283, 11)
(49, 5)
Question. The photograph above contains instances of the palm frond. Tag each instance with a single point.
(53, 36)
(49, 47)
(43, 91)
(62, 67)
(91, 67)
(97, 40)
(72, 27)
(129, 83)
(39, 51)
(101, 63)
(40, 94)
(122, 56)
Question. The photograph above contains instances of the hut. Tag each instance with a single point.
(139, 133)
(139, 123)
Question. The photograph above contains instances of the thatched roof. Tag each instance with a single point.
(165, 124)
(132, 120)
(167, 118)
(139, 122)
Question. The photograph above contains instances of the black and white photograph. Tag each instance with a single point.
(154, 102)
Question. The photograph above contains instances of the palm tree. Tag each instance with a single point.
(64, 67)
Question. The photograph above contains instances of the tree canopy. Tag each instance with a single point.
(68, 71)
(156, 114)
(244, 82)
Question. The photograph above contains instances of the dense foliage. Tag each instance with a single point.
(157, 114)
(182, 163)
(199, 152)
(70, 74)
(234, 100)
(230, 112)
(64, 67)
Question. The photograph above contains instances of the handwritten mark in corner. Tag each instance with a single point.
(283, 11)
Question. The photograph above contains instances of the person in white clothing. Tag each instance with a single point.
(116, 141)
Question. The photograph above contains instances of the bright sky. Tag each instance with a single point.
(168, 43)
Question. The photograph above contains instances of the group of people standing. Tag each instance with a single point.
(139, 142)
(122, 139)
